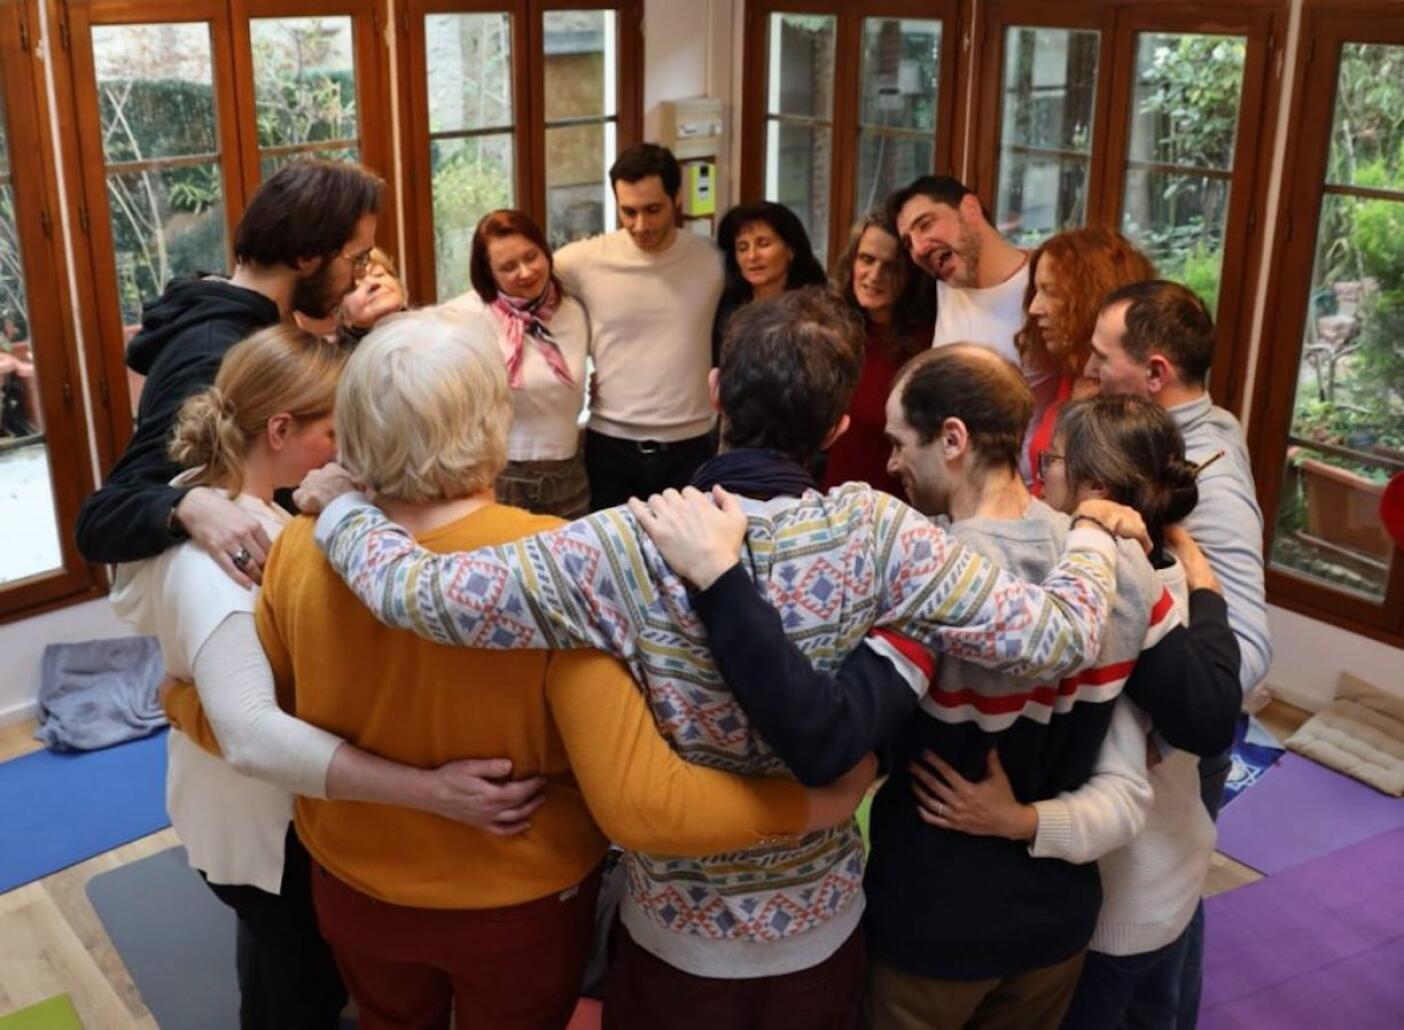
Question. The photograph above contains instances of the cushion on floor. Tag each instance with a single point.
(1361, 734)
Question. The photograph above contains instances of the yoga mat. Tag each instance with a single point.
(1299, 811)
(63, 808)
(1255, 751)
(1318, 945)
(175, 938)
(54, 1013)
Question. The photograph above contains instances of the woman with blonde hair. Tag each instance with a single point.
(235, 757)
(427, 917)
(1069, 274)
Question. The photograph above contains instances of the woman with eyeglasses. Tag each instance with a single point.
(1126, 449)
(1069, 274)
(544, 335)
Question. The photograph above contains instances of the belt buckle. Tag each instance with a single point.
(651, 446)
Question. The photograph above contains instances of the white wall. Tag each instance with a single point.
(1309, 656)
(693, 48)
(22, 644)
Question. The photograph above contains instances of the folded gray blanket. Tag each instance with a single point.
(99, 692)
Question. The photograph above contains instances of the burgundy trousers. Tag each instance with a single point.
(514, 968)
(645, 993)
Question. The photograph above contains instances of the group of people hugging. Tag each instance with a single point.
(546, 640)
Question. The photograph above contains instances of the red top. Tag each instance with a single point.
(861, 453)
(1041, 436)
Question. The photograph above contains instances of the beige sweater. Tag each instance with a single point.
(650, 332)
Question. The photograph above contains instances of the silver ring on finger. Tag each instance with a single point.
(241, 558)
(940, 810)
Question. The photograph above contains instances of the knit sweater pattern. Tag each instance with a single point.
(833, 565)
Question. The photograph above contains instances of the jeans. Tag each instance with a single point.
(1140, 991)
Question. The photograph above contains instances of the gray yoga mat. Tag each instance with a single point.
(175, 938)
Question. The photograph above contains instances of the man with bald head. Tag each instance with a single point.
(964, 928)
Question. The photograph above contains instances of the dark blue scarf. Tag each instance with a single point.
(755, 473)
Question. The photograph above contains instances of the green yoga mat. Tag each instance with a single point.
(54, 1013)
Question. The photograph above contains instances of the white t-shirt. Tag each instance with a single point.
(988, 317)
(545, 411)
(232, 825)
(650, 332)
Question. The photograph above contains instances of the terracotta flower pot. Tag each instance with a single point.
(1343, 508)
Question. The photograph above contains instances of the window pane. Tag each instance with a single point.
(797, 175)
(469, 61)
(165, 222)
(1179, 221)
(580, 64)
(470, 178)
(578, 201)
(900, 72)
(1185, 107)
(270, 164)
(1039, 196)
(888, 162)
(156, 94)
(155, 90)
(304, 79)
(28, 521)
(1050, 88)
(801, 71)
(1367, 139)
(1347, 434)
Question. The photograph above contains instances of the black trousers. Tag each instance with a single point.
(620, 469)
(288, 979)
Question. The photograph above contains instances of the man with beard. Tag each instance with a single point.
(303, 242)
(980, 277)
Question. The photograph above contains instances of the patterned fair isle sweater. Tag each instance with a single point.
(834, 565)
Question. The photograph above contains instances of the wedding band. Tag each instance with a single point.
(241, 558)
(940, 810)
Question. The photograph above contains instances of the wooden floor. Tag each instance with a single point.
(51, 940)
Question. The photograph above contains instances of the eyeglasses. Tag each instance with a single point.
(1045, 462)
(359, 262)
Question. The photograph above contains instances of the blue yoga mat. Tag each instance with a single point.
(63, 808)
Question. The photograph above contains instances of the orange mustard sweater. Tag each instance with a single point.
(575, 717)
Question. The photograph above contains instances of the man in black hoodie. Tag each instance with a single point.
(303, 242)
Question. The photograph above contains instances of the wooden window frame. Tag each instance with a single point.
(104, 324)
(849, 16)
(528, 110)
(372, 91)
(232, 62)
(1325, 26)
(37, 208)
(1262, 23)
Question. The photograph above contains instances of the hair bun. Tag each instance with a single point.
(1181, 488)
(206, 423)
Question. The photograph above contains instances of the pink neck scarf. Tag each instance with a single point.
(523, 318)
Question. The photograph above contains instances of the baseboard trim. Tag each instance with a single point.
(19, 713)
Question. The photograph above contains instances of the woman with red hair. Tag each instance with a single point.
(544, 336)
(1069, 274)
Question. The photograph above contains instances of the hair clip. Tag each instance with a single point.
(1207, 462)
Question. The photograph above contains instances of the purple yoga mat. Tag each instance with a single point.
(1298, 811)
(1319, 945)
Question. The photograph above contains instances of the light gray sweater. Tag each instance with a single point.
(1228, 525)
